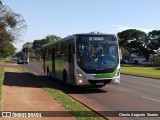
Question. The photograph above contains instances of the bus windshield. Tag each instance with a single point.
(97, 55)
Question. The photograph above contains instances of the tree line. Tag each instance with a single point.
(12, 26)
(139, 42)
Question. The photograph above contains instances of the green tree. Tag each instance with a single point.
(28, 45)
(51, 38)
(135, 41)
(125, 53)
(31, 53)
(12, 26)
(8, 50)
(38, 44)
(155, 39)
(12, 23)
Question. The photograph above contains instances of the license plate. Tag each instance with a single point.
(99, 83)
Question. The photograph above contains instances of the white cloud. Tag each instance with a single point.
(124, 27)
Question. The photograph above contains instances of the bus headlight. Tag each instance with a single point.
(117, 73)
(116, 79)
(80, 81)
(80, 74)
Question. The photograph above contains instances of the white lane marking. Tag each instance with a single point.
(143, 83)
(151, 99)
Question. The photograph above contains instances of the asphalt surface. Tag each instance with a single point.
(132, 94)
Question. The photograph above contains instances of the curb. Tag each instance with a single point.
(88, 107)
(79, 101)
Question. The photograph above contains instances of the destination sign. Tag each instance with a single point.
(96, 38)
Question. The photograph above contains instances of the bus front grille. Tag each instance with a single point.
(105, 81)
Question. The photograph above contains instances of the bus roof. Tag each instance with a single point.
(92, 33)
(73, 36)
(53, 43)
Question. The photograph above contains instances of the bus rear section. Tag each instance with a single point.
(23, 58)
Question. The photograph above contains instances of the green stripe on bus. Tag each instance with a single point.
(106, 75)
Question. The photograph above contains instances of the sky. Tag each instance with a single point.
(67, 17)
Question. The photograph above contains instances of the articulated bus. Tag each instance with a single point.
(83, 59)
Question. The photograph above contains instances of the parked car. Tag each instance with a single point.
(145, 62)
(130, 62)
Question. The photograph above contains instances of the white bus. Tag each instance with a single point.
(83, 59)
(23, 58)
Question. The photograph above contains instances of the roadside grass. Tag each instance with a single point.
(5, 61)
(1, 83)
(78, 110)
(151, 72)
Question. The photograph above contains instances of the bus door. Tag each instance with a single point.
(71, 54)
(53, 61)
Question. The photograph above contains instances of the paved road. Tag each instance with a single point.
(133, 94)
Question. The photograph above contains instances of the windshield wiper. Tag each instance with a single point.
(92, 47)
